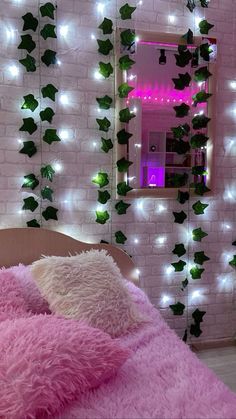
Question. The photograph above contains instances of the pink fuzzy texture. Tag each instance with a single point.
(12, 304)
(162, 379)
(47, 362)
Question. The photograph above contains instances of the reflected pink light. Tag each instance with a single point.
(168, 95)
(156, 176)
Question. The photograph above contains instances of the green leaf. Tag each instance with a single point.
(30, 204)
(27, 43)
(126, 115)
(49, 91)
(205, 51)
(184, 57)
(124, 89)
(204, 3)
(46, 193)
(200, 188)
(28, 125)
(47, 115)
(198, 140)
(183, 81)
(178, 309)
(185, 337)
(198, 234)
(48, 31)
(106, 26)
(126, 11)
(188, 37)
(102, 217)
(199, 208)
(121, 207)
(195, 330)
(30, 181)
(202, 74)
(103, 197)
(125, 63)
(123, 136)
(123, 188)
(123, 165)
(200, 121)
(182, 110)
(49, 57)
(177, 180)
(201, 97)
(179, 217)
(104, 124)
(120, 237)
(182, 147)
(199, 170)
(179, 266)
(30, 22)
(234, 243)
(50, 213)
(47, 10)
(104, 47)
(205, 27)
(198, 315)
(33, 223)
(182, 197)
(196, 272)
(50, 136)
(29, 63)
(179, 250)
(233, 262)
(181, 131)
(104, 102)
(200, 258)
(101, 179)
(106, 145)
(28, 148)
(30, 103)
(184, 284)
(105, 69)
(191, 5)
(47, 172)
(127, 38)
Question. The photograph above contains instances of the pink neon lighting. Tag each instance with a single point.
(156, 177)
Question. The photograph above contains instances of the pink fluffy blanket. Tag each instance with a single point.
(163, 379)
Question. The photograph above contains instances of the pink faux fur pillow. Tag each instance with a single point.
(46, 362)
(88, 287)
(12, 304)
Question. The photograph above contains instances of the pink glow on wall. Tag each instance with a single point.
(156, 177)
(164, 97)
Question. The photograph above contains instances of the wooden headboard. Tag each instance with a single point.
(25, 245)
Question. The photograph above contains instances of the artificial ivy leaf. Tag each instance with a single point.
(200, 188)
(28, 148)
(104, 102)
(47, 115)
(47, 172)
(104, 124)
(205, 27)
(30, 181)
(234, 243)
(33, 223)
(123, 165)
(49, 57)
(120, 237)
(181, 131)
(183, 81)
(103, 197)
(47, 10)
(28, 125)
(124, 89)
(233, 262)
(106, 145)
(196, 272)
(127, 37)
(179, 266)
(101, 179)
(177, 180)
(188, 37)
(126, 11)
(50, 136)
(191, 5)
(102, 217)
(182, 147)
(29, 63)
(199, 170)
(123, 136)
(106, 26)
(205, 51)
(184, 57)
(184, 284)
(30, 204)
(125, 63)
(49, 91)
(126, 115)
(30, 103)
(121, 207)
(179, 217)
(202, 74)
(50, 213)
(198, 140)
(198, 315)
(199, 208)
(46, 193)
(178, 309)
(185, 337)
(123, 188)
(104, 241)
(105, 69)
(48, 31)
(30, 22)
(182, 197)
(27, 43)
(200, 258)
(200, 121)
(181, 110)
(179, 250)
(204, 3)
(201, 97)
(105, 47)
(195, 330)
(198, 234)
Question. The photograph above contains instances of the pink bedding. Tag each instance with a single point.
(163, 379)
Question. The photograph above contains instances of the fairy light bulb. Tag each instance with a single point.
(171, 19)
(100, 7)
(63, 30)
(64, 99)
(57, 166)
(233, 84)
(14, 70)
(93, 37)
(136, 241)
(64, 134)
(196, 294)
(97, 75)
(165, 299)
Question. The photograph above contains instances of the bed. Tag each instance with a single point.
(162, 378)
